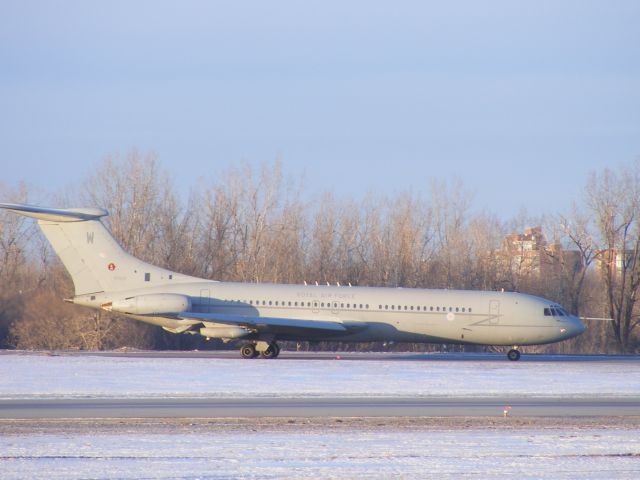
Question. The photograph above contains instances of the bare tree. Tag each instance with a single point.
(17, 274)
(248, 219)
(484, 234)
(614, 199)
(575, 261)
(323, 254)
(450, 203)
(47, 323)
(136, 192)
(396, 240)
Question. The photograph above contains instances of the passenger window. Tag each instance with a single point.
(547, 312)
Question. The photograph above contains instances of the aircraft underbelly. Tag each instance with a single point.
(510, 334)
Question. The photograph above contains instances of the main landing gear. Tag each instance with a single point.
(514, 354)
(263, 349)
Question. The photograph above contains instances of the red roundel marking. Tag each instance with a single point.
(111, 267)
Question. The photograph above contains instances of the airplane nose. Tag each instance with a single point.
(575, 327)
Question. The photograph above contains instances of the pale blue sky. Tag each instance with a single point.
(520, 100)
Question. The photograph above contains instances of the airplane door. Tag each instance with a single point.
(494, 311)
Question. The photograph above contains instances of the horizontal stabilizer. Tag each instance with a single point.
(251, 321)
(56, 214)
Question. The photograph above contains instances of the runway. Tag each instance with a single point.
(315, 407)
(463, 357)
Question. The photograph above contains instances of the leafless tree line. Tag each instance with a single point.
(256, 225)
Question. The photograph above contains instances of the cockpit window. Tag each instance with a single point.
(555, 312)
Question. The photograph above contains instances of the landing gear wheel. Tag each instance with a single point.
(248, 351)
(272, 352)
(513, 355)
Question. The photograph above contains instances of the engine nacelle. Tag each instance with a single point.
(153, 303)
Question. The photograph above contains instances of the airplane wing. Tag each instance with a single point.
(273, 324)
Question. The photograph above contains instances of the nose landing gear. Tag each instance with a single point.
(514, 354)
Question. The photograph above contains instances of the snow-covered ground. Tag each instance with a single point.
(560, 451)
(26, 375)
(593, 453)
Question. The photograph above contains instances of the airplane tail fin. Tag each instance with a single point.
(91, 255)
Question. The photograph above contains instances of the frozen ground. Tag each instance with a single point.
(26, 375)
(298, 451)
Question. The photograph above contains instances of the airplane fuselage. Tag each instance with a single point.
(384, 314)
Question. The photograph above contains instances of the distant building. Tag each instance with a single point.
(613, 260)
(529, 254)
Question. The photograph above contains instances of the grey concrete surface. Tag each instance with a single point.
(315, 407)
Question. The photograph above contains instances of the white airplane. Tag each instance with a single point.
(106, 277)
